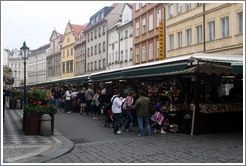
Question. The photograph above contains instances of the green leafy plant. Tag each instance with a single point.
(38, 102)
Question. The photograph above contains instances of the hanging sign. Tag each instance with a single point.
(161, 40)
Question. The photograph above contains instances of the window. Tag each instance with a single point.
(171, 11)
(188, 6)
(171, 38)
(158, 17)
(91, 36)
(199, 34)
(95, 34)
(143, 54)
(198, 4)
(151, 51)
(179, 39)
(88, 36)
(240, 22)
(101, 15)
(131, 54)
(71, 51)
(109, 58)
(137, 55)
(137, 29)
(116, 57)
(71, 66)
(99, 32)
(63, 53)
(95, 67)
(19, 66)
(225, 27)
(99, 48)
(104, 46)
(95, 49)
(88, 67)
(157, 49)
(67, 52)
(150, 22)
(126, 54)
(88, 52)
(19, 74)
(11, 66)
(188, 37)
(103, 29)
(112, 57)
(121, 56)
(91, 51)
(67, 63)
(126, 34)
(104, 63)
(99, 64)
(92, 21)
(179, 7)
(211, 31)
(91, 65)
(68, 39)
(143, 4)
(97, 18)
(137, 6)
(131, 31)
(143, 26)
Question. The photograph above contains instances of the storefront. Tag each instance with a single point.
(203, 80)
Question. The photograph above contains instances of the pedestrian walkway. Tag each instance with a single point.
(21, 148)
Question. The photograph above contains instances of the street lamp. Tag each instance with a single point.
(24, 52)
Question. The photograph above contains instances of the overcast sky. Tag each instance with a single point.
(34, 21)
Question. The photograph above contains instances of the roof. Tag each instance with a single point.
(114, 4)
(77, 28)
(61, 37)
(41, 49)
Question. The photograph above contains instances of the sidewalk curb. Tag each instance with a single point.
(66, 147)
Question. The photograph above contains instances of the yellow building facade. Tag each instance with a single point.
(68, 51)
(204, 28)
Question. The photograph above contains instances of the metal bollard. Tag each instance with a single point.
(45, 127)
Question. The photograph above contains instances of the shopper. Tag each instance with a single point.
(82, 101)
(127, 108)
(89, 94)
(143, 108)
(97, 105)
(116, 109)
(68, 101)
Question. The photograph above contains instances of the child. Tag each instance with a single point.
(158, 117)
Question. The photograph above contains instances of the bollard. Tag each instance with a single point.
(18, 104)
(45, 127)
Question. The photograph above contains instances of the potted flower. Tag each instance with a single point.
(37, 105)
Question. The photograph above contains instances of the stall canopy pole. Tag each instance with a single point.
(196, 96)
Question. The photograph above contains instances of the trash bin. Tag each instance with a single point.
(45, 127)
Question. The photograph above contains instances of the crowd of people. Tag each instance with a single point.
(134, 109)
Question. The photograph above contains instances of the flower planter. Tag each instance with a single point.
(32, 124)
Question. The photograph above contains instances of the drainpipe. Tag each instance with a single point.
(204, 41)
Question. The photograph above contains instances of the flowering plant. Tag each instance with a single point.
(39, 102)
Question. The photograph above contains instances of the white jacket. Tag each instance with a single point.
(116, 106)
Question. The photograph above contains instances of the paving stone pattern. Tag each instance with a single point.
(168, 148)
(18, 147)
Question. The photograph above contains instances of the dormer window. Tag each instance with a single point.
(92, 21)
(97, 18)
(102, 15)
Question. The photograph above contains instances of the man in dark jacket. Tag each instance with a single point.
(143, 107)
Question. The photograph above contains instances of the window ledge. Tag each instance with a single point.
(151, 30)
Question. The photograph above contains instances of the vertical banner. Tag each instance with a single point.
(161, 40)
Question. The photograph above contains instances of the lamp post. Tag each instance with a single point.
(24, 52)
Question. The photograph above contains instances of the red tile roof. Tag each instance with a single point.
(77, 28)
(61, 37)
(114, 4)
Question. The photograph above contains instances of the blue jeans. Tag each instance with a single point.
(140, 124)
(116, 122)
(67, 105)
(88, 107)
(128, 116)
(57, 103)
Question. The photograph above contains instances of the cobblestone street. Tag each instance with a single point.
(168, 148)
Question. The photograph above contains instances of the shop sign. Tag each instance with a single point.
(161, 40)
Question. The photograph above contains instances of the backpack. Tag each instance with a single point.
(111, 103)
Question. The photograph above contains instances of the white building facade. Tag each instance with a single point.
(37, 65)
(5, 57)
(120, 41)
(17, 67)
